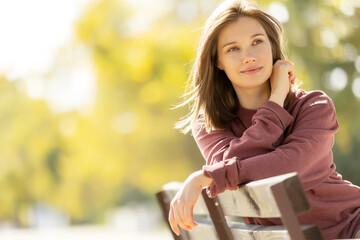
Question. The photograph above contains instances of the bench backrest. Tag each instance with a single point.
(276, 197)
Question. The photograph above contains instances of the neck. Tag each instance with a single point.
(253, 98)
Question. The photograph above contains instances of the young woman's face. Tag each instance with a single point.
(244, 53)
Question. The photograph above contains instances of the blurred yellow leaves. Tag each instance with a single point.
(138, 59)
(343, 139)
(152, 92)
(126, 122)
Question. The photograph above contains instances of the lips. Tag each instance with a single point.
(251, 70)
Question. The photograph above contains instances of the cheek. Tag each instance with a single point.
(230, 62)
(268, 71)
(267, 59)
(267, 53)
(269, 65)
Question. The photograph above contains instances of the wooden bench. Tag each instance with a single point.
(282, 197)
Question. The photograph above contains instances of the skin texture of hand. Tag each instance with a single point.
(283, 75)
(181, 207)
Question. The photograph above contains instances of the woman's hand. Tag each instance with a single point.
(283, 75)
(181, 207)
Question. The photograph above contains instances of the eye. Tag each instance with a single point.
(257, 41)
(233, 49)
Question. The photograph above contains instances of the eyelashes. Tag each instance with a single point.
(254, 43)
(258, 41)
(233, 49)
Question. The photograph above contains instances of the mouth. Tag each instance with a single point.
(252, 71)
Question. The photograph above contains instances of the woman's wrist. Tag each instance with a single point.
(200, 178)
(276, 98)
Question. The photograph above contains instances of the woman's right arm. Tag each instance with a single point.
(268, 125)
(307, 151)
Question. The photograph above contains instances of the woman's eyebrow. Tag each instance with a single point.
(257, 34)
(252, 36)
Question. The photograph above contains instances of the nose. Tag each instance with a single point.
(249, 56)
(249, 60)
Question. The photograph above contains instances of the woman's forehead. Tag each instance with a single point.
(241, 29)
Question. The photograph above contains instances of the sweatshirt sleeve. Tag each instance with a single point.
(307, 151)
(268, 124)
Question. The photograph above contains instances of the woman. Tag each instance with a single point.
(250, 124)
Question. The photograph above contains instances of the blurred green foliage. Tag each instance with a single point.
(126, 147)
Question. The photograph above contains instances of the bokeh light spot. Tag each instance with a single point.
(126, 122)
(356, 87)
(329, 38)
(357, 64)
(336, 80)
(279, 11)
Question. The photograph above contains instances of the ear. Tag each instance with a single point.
(219, 66)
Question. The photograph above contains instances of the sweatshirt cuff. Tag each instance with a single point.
(216, 172)
(284, 116)
(224, 174)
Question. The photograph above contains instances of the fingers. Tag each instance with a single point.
(291, 63)
(181, 207)
(188, 215)
(180, 219)
(181, 216)
(283, 62)
(291, 71)
(172, 222)
(292, 77)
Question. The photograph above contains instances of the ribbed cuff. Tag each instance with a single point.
(217, 173)
(225, 176)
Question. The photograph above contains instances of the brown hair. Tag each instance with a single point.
(211, 92)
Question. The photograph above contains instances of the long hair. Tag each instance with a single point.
(209, 91)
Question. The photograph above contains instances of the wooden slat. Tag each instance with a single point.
(251, 232)
(290, 201)
(245, 231)
(217, 217)
(296, 194)
(205, 230)
(255, 199)
(288, 215)
(313, 233)
(241, 203)
(241, 231)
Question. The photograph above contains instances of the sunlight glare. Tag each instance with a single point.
(31, 34)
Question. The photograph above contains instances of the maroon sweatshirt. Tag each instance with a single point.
(273, 140)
